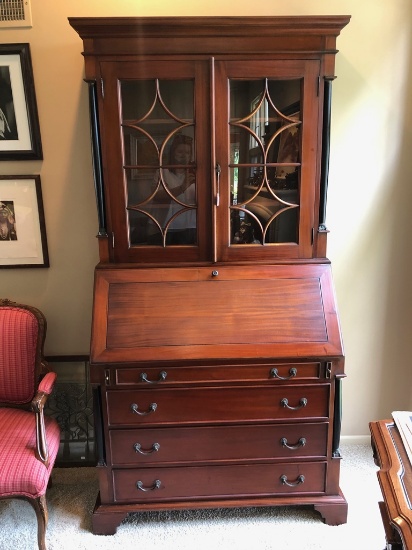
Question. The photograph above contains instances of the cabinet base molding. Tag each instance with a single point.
(107, 517)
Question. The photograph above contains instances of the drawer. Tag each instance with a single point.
(241, 404)
(261, 442)
(123, 376)
(214, 482)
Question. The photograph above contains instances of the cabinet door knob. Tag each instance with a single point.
(215, 273)
(302, 403)
(135, 409)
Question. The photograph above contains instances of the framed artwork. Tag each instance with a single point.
(23, 241)
(19, 120)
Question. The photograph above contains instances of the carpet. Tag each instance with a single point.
(72, 496)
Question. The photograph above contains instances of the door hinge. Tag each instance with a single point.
(112, 239)
(318, 87)
(102, 87)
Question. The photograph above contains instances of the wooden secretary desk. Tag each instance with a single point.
(216, 352)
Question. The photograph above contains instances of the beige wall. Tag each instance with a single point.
(369, 188)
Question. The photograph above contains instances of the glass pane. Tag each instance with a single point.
(160, 161)
(265, 146)
(245, 228)
(138, 97)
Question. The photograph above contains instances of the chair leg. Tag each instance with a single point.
(40, 507)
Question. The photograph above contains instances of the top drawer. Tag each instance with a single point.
(124, 376)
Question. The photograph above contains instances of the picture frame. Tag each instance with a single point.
(19, 120)
(23, 239)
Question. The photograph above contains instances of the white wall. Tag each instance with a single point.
(369, 187)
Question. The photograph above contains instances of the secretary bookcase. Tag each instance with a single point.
(216, 353)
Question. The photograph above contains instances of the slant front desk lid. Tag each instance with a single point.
(228, 313)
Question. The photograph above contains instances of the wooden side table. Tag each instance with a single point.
(395, 479)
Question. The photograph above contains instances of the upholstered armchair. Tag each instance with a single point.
(29, 441)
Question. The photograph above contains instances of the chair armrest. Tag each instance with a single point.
(47, 383)
(39, 400)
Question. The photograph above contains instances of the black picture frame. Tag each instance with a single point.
(23, 239)
(19, 120)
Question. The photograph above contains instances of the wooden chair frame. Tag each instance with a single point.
(44, 380)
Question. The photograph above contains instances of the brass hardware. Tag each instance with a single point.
(299, 480)
(135, 409)
(162, 376)
(302, 403)
(300, 443)
(138, 448)
(328, 369)
(156, 485)
(292, 373)
(218, 172)
(107, 377)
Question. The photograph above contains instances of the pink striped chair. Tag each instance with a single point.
(29, 441)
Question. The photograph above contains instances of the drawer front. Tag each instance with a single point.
(232, 373)
(148, 446)
(213, 482)
(225, 404)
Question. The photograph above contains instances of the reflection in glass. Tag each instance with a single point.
(265, 160)
(159, 161)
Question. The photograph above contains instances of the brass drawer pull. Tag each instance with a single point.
(300, 443)
(302, 403)
(292, 373)
(162, 376)
(156, 485)
(138, 448)
(135, 409)
(299, 480)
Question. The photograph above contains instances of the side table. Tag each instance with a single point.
(395, 479)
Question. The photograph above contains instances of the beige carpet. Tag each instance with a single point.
(72, 496)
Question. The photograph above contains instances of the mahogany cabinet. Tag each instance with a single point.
(216, 352)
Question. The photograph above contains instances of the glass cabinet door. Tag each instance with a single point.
(157, 186)
(169, 150)
(265, 166)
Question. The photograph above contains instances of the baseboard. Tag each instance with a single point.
(355, 439)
